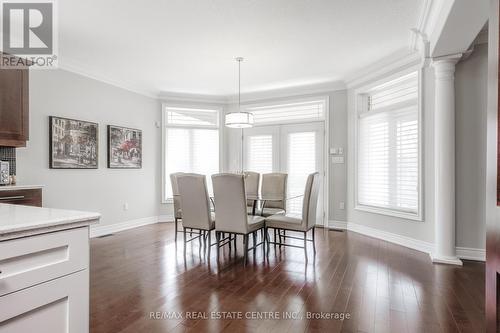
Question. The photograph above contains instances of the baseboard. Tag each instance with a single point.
(405, 241)
(412, 243)
(101, 230)
(337, 225)
(469, 253)
(165, 218)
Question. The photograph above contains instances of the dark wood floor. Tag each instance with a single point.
(383, 287)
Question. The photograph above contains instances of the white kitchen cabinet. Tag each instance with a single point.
(44, 270)
(57, 306)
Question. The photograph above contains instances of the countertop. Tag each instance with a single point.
(21, 221)
(19, 187)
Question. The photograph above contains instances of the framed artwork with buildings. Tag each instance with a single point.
(73, 144)
(124, 147)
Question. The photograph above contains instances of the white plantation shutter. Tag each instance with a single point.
(388, 147)
(313, 110)
(259, 153)
(192, 143)
(191, 117)
(301, 163)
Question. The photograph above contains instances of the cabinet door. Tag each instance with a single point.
(14, 121)
(57, 306)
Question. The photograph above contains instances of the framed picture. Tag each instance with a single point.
(124, 148)
(73, 144)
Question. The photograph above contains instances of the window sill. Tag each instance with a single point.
(390, 212)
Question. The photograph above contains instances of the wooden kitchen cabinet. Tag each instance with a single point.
(14, 107)
(26, 197)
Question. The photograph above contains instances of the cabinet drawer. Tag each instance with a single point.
(32, 197)
(28, 261)
(57, 306)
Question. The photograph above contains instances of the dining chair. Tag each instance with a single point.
(195, 205)
(231, 208)
(177, 200)
(252, 180)
(298, 223)
(273, 186)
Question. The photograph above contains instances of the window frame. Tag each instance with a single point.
(164, 125)
(360, 105)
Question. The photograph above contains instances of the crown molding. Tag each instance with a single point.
(422, 23)
(79, 69)
(397, 61)
(192, 98)
(302, 90)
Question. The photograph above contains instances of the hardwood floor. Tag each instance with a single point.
(141, 282)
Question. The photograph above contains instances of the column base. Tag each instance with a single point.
(446, 260)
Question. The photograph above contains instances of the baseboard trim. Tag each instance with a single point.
(412, 243)
(337, 225)
(165, 218)
(405, 241)
(469, 253)
(101, 230)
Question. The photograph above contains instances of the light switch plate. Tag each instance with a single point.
(338, 159)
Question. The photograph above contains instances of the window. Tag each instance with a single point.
(191, 143)
(388, 161)
(310, 110)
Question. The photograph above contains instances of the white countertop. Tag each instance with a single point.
(20, 221)
(19, 187)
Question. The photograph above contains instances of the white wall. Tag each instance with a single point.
(471, 99)
(61, 93)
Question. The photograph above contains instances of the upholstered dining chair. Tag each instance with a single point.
(274, 186)
(252, 180)
(298, 223)
(231, 208)
(177, 201)
(195, 205)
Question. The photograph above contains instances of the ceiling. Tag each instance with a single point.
(189, 46)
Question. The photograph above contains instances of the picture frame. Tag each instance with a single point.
(124, 147)
(73, 143)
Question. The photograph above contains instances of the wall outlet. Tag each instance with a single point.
(125, 206)
(342, 205)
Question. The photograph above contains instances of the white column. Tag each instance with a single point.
(444, 160)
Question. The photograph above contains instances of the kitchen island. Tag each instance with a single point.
(44, 269)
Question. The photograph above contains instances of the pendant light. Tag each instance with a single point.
(239, 119)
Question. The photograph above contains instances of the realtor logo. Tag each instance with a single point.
(28, 33)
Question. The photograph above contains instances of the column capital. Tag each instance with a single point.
(444, 67)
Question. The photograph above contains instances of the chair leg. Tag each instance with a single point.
(217, 236)
(209, 242)
(266, 237)
(254, 236)
(223, 236)
(314, 239)
(176, 221)
(235, 237)
(185, 243)
(305, 244)
(245, 248)
(204, 241)
(275, 237)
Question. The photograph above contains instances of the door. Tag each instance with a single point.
(302, 154)
(294, 149)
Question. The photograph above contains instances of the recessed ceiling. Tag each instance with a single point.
(189, 46)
